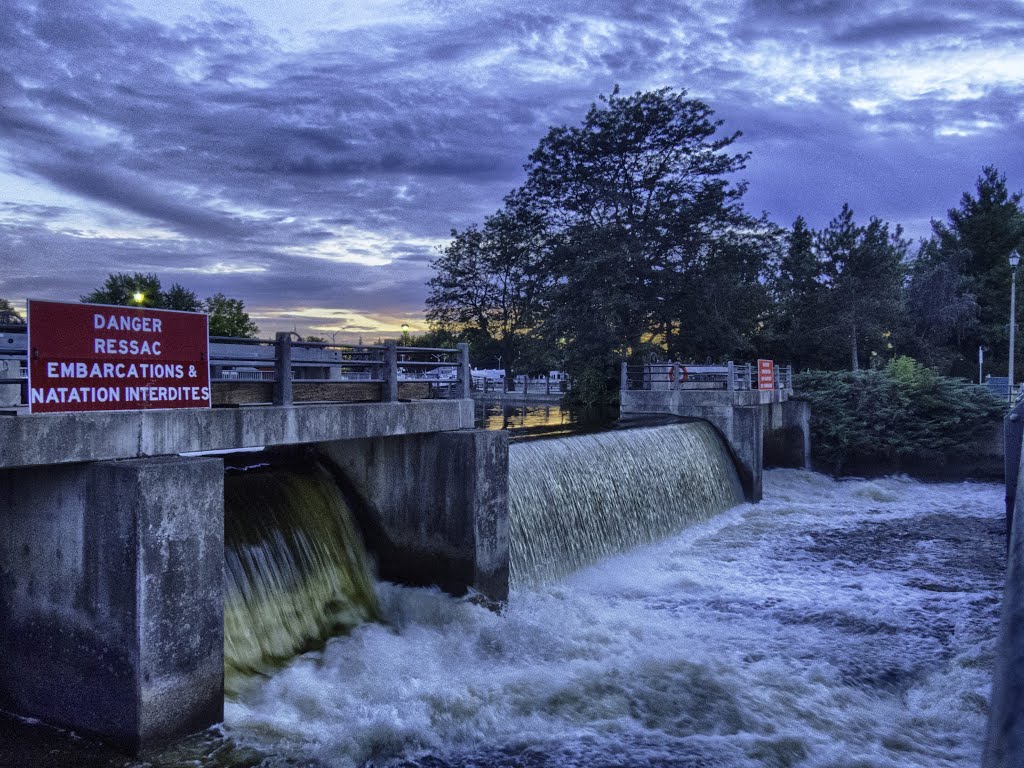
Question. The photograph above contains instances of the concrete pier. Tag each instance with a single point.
(435, 507)
(111, 614)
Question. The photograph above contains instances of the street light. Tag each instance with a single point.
(139, 297)
(1014, 261)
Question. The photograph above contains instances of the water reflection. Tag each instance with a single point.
(541, 419)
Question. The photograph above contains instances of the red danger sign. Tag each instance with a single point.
(766, 374)
(91, 357)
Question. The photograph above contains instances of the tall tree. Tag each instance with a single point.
(864, 268)
(799, 291)
(638, 203)
(940, 309)
(977, 239)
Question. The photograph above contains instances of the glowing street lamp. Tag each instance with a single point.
(139, 297)
(1014, 261)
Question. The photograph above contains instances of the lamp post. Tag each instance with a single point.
(1014, 261)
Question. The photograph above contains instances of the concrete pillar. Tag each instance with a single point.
(744, 434)
(787, 434)
(433, 508)
(111, 597)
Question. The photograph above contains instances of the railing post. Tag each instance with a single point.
(677, 376)
(389, 389)
(465, 371)
(624, 377)
(283, 369)
(730, 376)
(775, 377)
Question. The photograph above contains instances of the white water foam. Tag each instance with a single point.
(841, 624)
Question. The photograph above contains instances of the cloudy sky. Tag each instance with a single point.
(308, 157)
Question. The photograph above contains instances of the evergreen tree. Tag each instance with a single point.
(799, 292)
(977, 240)
(864, 269)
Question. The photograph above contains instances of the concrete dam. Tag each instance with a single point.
(297, 571)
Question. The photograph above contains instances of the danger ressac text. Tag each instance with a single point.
(119, 359)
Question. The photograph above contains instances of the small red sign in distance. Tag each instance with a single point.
(93, 357)
(766, 374)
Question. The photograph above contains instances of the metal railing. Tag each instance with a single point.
(674, 376)
(285, 362)
(522, 385)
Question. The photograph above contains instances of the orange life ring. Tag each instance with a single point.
(672, 372)
(685, 374)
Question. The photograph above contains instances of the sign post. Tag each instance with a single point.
(765, 374)
(92, 357)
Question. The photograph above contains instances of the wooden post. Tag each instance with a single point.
(389, 390)
(730, 376)
(677, 376)
(624, 377)
(283, 369)
(465, 371)
(547, 384)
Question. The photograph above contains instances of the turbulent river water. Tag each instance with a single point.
(844, 624)
(835, 624)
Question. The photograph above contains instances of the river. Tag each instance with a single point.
(847, 624)
(835, 624)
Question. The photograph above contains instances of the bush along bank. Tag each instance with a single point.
(902, 418)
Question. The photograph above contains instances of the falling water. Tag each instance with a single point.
(295, 569)
(575, 500)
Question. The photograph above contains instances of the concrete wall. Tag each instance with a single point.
(111, 614)
(787, 434)
(435, 506)
(1005, 743)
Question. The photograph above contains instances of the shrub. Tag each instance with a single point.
(902, 414)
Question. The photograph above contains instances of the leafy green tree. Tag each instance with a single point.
(9, 315)
(633, 199)
(486, 286)
(122, 289)
(864, 272)
(229, 318)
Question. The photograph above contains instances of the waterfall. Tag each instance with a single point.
(295, 568)
(577, 499)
